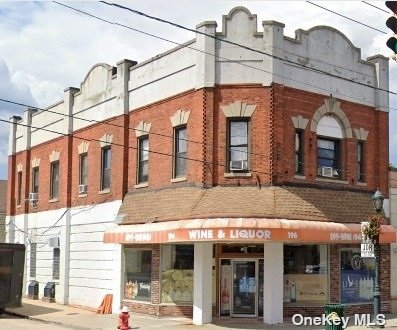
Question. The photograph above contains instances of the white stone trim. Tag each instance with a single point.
(19, 167)
(238, 109)
(55, 156)
(35, 162)
(106, 140)
(332, 181)
(182, 178)
(180, 118)
(361, 133)
(332, 107)
(143, 128)
(83, 147)
(237, 175)
(300, 122)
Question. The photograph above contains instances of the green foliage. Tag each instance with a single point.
(373, 229)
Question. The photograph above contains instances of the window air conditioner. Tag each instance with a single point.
(327, 171)
(33, 197)
(238, 165)
(54, 242)
(82, 188)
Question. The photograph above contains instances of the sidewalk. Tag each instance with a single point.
(76, 318)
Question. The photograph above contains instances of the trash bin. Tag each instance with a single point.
(337, 312)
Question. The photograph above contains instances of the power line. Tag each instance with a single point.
(351, 19)
(234, 44)
(206, 163)
(105, 122)
(236, 62)
(370, 4)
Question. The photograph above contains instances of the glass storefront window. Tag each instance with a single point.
(305, 273)
(357, 277)
(177, 262)
(138, 273)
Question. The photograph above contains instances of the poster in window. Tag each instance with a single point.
(226, 278)
(357, 278)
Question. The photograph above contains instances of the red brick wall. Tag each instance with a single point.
(271, 146)
(161, 139)
(290, 102)
(115, 127)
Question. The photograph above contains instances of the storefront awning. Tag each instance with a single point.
(241, 230)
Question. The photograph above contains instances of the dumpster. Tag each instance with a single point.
(12, 259)
(334, 313)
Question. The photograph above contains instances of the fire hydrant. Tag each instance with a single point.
(123, 319)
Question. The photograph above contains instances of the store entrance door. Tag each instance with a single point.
(245, 288)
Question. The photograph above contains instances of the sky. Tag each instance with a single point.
(45, 47)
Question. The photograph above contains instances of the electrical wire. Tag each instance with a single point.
(90, 120)
(242, 64)
(236, 62)
(229, 42)
(230, 149)
(206, 163)
(370, 4)
(351, 19)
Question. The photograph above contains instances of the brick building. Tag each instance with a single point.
(210, 175)
(3, 206)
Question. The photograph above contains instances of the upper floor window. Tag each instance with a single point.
(360, 161)
(328, 157)
(238, 145)
(143, 159)
(299, 152)
(180, 151)
(83, 177)
(35, 180)
(19, 192)
(54, 188)
(106, 166)
(329, 136)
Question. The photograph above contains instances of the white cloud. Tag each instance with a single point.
(48, 47)
(10, 91)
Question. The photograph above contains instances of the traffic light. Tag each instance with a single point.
(391, 23)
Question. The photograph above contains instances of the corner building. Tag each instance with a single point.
(214, 181)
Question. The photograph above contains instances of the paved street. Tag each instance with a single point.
(8, 322)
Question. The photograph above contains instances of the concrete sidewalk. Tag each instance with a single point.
(77, 318)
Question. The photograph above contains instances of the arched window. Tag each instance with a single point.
(329, 136)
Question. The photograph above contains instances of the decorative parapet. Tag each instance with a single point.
(180, 118)
(238, 109)
(106, 140)
(142, 129)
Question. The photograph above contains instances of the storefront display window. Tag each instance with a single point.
(177, 262)
(357, 277)
(138, 272)
(305, 274)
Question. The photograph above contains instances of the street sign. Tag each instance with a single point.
(367, 247)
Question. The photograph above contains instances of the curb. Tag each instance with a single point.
(72, 326)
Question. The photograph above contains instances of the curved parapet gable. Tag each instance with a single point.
(239, 24)
(325, 42)
(338, 68)
(97, 79)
